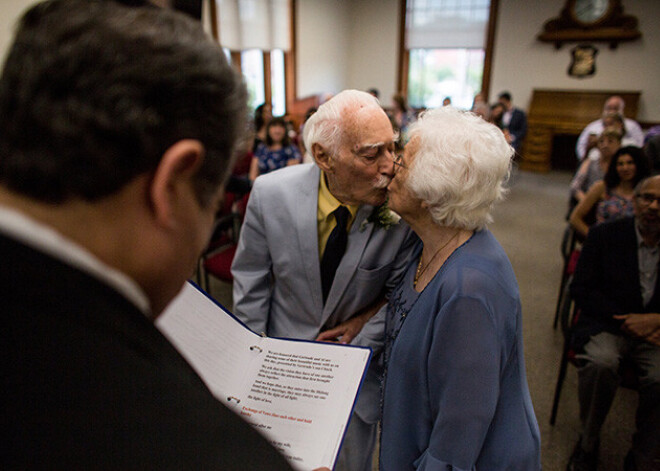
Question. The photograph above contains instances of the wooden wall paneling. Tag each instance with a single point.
(553, 112)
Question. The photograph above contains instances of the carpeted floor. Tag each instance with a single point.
(529, 224)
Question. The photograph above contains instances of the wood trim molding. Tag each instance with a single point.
(268, 89)
(404, 55)
(213, 11)
(556, 111)
(236, 60)
(290, 66)
(490, 46)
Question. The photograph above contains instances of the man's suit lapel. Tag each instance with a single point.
(357, 241)
(306, 228)
(627, 244)
(307, 232)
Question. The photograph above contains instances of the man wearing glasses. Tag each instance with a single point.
(616, 289)
(316, 256)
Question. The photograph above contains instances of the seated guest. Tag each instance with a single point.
(591, 171)
(613, 120)
(589, 136)
(616, 288)
(455, 391)
(652, 152)
(276, 152)
(495, 114)
(481, 109)
(262, 116)
(652, 132)
(107, 197)
(239, 182)
(613, 196)
(478, 98)
(374, 92)
(402, 115)
(514, 121)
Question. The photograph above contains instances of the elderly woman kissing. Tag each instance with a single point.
(455, 392)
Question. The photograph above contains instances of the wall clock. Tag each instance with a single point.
(591, 20)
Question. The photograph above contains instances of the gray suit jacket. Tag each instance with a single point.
(277, 278)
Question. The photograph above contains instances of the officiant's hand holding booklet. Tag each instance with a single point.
(297, 393)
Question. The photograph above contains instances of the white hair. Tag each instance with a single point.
(460, 167)
(326, 126)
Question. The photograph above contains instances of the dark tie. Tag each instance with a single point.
(334, 250)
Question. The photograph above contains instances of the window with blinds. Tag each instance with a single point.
(255, 35)
(446, 42)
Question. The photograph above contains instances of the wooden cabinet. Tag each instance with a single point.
(553, 112)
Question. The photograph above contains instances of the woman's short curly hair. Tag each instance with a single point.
(460, 167)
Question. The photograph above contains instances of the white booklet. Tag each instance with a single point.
(299, 394)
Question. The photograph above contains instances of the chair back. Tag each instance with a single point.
(219, 255)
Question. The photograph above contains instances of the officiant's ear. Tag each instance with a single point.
(322, 157)
(172, 187)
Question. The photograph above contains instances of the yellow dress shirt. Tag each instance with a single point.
(325, 220)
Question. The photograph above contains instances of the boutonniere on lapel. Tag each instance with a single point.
(381, 216)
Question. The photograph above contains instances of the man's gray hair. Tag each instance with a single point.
(460, 167)
(93, 92)
(642, 183)
(326, 126)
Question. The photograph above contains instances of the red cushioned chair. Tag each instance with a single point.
(219, 254)
(219, 264)
(218, 257)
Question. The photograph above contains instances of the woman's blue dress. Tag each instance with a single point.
(455, 391)
(270, 160)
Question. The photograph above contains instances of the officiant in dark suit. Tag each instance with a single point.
(116, 130)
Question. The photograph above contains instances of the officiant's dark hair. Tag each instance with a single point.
(93, 93)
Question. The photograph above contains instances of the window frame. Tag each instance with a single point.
(289, 59)
(404, 53)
